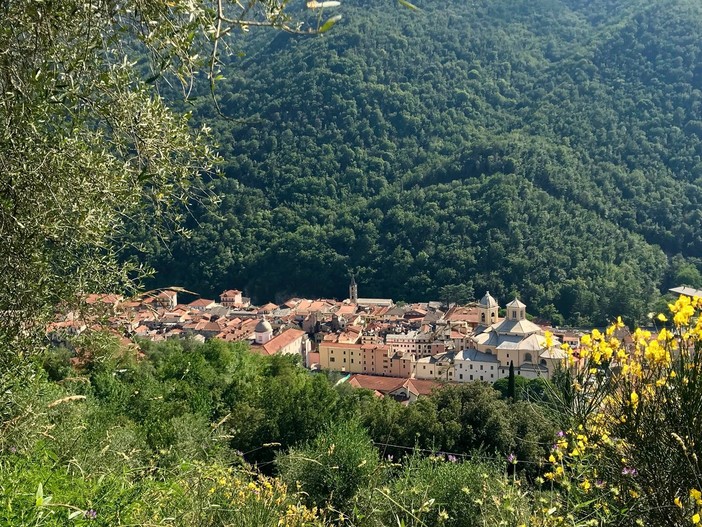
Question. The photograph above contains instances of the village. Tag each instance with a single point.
(398, 350)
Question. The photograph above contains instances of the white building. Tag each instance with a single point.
(402, 342)
(473, 365)
(438, 367)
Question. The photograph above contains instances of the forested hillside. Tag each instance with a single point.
(546, 148)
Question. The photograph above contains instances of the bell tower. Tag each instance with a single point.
(489, 309)
(353, 290)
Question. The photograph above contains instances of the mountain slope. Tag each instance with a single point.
(549, 149)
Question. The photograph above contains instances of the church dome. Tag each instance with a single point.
(488, 300)
(263, 326)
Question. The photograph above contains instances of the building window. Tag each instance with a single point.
(482, 317)
(481, 377)
(460, 376)
(514, 314)
(527, 357)
(471, 377)
(492, 367)
(481, 367)
(332, 359)
(351, 361)
(344, 361)
(471, 366)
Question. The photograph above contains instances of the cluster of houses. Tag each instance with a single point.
(463, 344)
(390, 348)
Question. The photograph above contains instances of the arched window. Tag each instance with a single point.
(527, 357)
(482, 317)
(543, 362)
(489, 352)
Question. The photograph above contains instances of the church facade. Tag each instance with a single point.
(515, 340)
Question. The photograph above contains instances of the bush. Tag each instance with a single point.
(433, 491)
(633, 451)
(333, 467)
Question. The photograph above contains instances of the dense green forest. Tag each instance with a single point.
(549, 149)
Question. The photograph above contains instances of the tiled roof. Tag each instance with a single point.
(201, 302)
(386, 385)
(286, 338)
(475, 355)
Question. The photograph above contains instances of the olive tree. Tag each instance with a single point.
(89, 150)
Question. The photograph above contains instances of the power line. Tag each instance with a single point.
(456, 454)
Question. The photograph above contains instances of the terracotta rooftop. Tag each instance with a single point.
(201, 302)
(468, 314)
(386, 385)
(274, 345)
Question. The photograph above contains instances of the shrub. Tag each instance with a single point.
(333, 467)
(438, 490)
(633, 451)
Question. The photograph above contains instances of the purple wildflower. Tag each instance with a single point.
(13, 450)
(512, 458)
(629, 471)
(390, 458)
(451, 458)
(91, 514)
(561, 433)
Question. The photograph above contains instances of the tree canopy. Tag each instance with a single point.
(545, 149)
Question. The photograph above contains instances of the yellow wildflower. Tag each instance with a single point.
(549, 339)
(634, 398)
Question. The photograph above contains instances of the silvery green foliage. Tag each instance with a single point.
(88, 149)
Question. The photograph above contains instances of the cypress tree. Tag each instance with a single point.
(511, 388)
